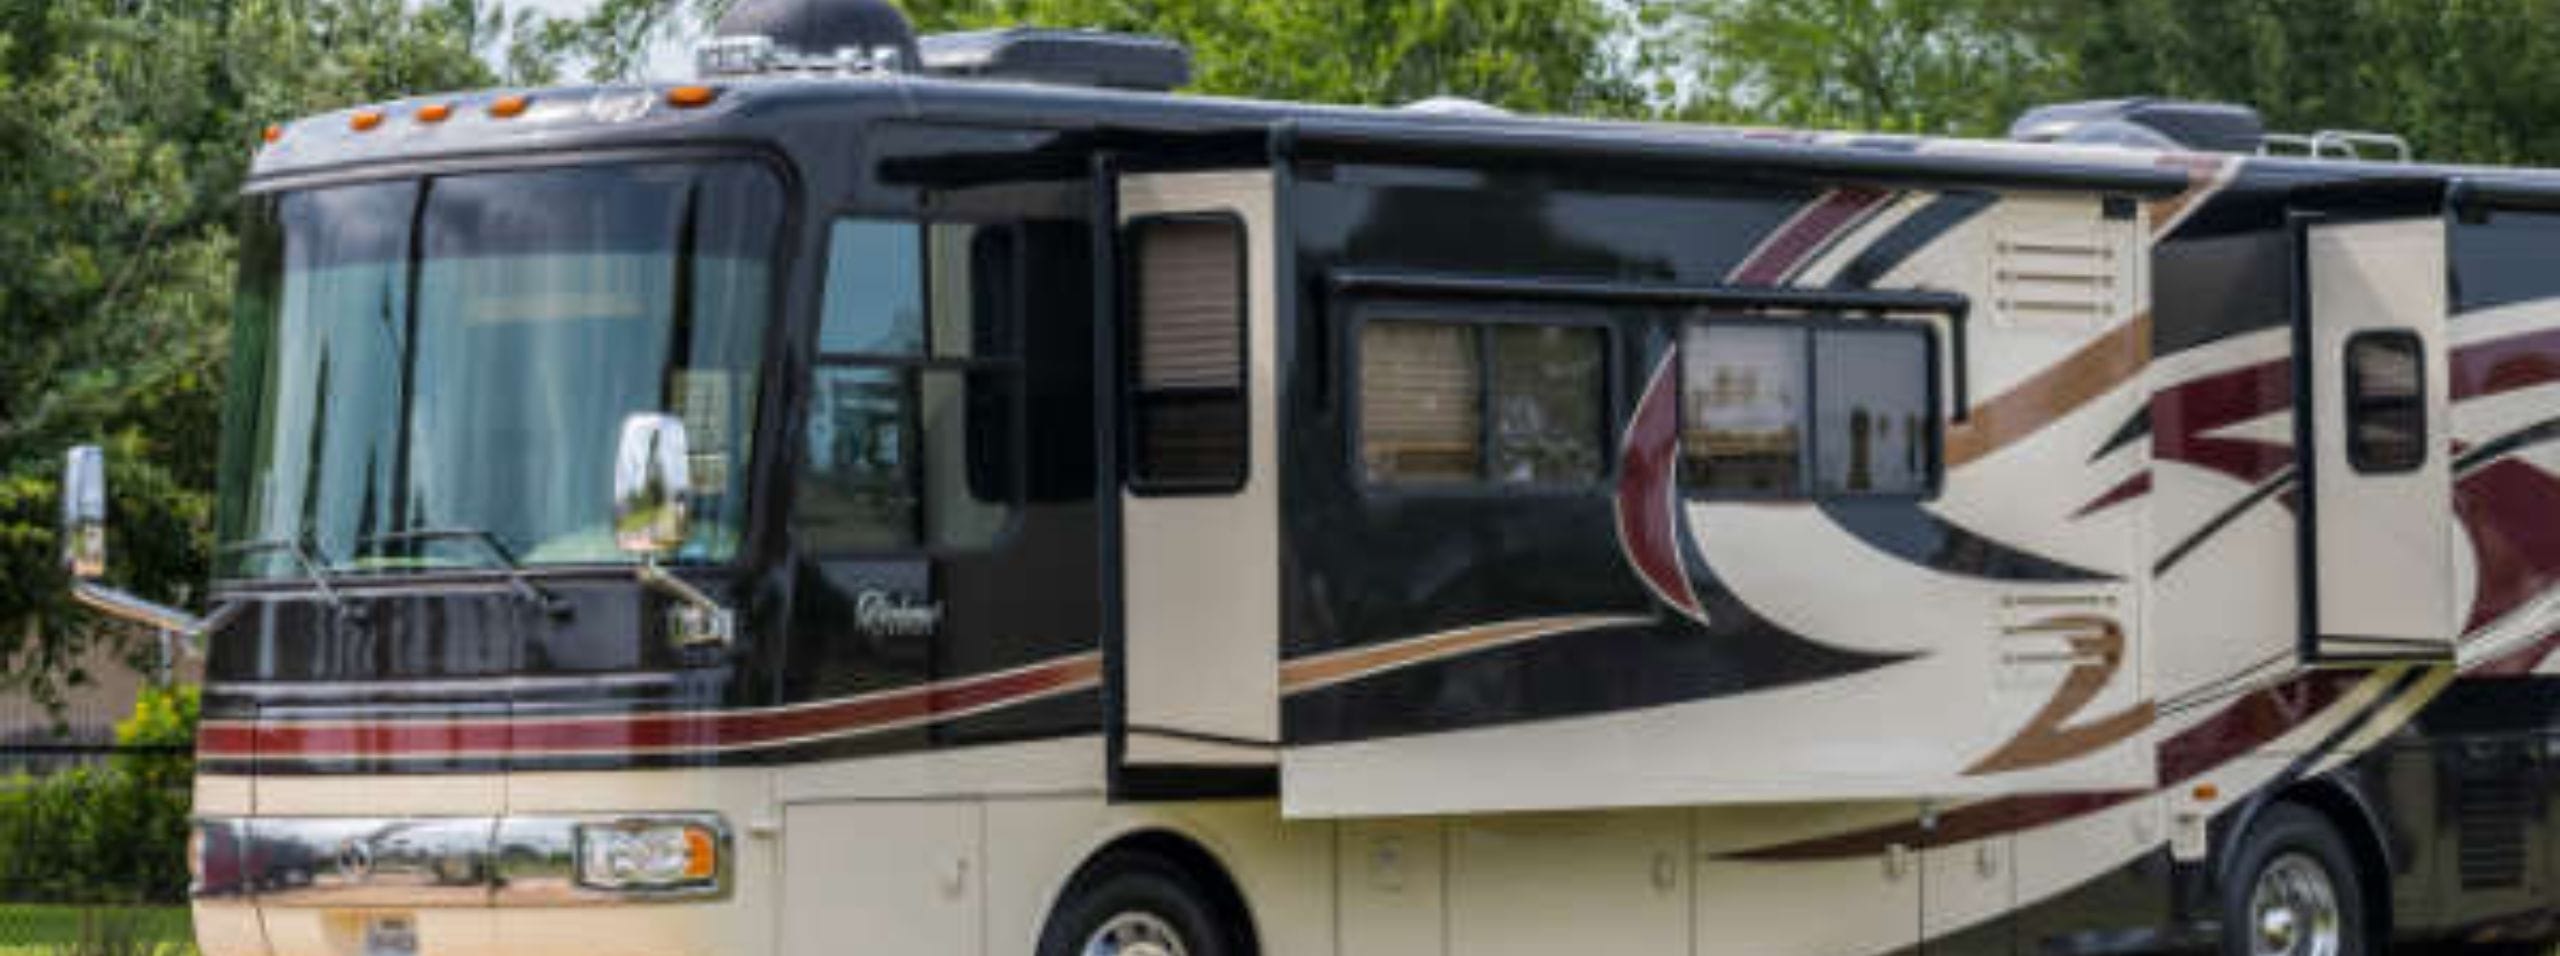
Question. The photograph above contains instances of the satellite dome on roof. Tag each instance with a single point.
(871, 33)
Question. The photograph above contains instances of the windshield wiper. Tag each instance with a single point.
(523, 585)
(292, 547)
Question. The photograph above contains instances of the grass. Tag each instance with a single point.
(120, 931)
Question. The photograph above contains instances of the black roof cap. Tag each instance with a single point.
(1120, 61)
(2145, 122)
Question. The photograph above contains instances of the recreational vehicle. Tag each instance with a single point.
(953, 495)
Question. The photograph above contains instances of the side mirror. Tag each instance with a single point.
(84, 554)
(84, 513)
(653, 514)
(652, 486)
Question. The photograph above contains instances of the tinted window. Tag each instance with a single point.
(1548, 392)
(536, 309)
(1510, 403)
(1872, 429)
(1189, 423)
(2501, 257)
(1742, 408)
(1789, 411)
(1421, 385)
(912, 433)
(2386, 402)
(875, 289)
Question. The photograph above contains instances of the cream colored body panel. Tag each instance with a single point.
(899, 876)
(1603, 884)
(1830, 907)
(1202, 573)
(2385, 541)
(2226, 610)
(1391, 881)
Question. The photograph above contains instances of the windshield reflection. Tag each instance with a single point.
(455, 355)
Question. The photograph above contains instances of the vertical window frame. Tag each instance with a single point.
(1484, 317)
(1132, 275)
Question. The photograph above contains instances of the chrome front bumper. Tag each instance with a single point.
(422, 862)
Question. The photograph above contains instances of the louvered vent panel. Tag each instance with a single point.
(1191, 335)
(2066, 278)
(2491, 815)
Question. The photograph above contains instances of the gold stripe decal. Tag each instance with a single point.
(1337, 667)
(2044, 398)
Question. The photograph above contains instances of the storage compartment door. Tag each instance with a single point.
(2379, 516)
(1808, 879)
(1593, 883)
(901, 876)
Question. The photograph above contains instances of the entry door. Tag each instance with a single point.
(2378, 458)
(1200, 514)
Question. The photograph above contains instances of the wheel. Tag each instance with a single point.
(1139, 904)
(2294, 890)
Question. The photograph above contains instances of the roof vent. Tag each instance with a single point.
(850, 36)
(2145, 122)
(1455, 106)
(1121, 61)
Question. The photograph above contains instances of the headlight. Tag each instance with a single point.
(648, 855)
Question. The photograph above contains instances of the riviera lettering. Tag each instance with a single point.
(888, 615)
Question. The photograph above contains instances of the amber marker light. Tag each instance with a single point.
(689, 97)
(509, 106)
(365, 121)
(2206, 793)
(434, 113)
(272, 133)
(701, 855)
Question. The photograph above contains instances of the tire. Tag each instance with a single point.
(2294, 890)
(1135, 903)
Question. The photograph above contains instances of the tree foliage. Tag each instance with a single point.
(1923, 66)
(1548, 56)
(2460, 78)
(128, 135)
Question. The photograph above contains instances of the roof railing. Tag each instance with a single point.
(2341, 144)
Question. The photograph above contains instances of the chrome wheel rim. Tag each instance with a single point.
(2293, 909)
(1135, 934)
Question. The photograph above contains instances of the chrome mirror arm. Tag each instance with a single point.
(190, 629)
(700, 620)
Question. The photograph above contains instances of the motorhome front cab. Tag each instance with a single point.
(869, 499)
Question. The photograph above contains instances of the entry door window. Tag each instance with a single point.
(1189, 424)
(2386, 402)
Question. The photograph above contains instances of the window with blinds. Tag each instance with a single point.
(1421, 391)
(1189, 424)
(1508, 403)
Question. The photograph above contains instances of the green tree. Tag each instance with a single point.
(130, 130)
(1960, 67)
(1536, 55)
(2463, 79)
(1547, 56)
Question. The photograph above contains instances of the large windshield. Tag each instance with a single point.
(432, 373)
